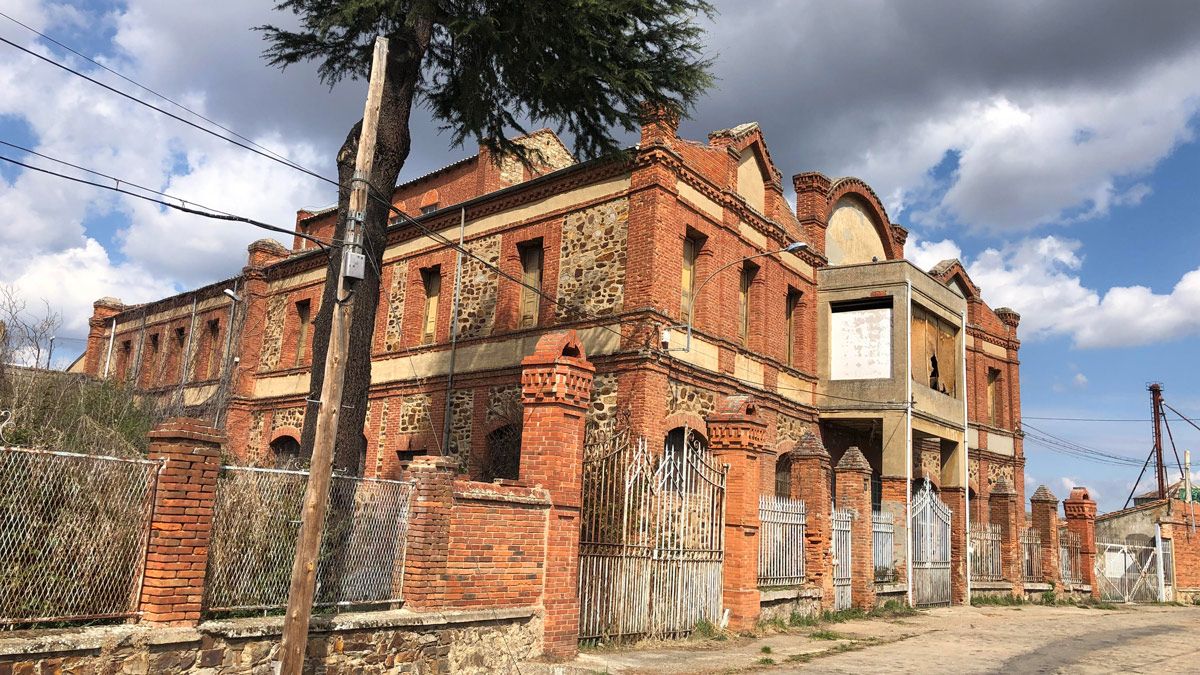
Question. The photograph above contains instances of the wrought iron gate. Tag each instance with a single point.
(1127, 573)
(930, 548)
(841, 558)
(651, 537)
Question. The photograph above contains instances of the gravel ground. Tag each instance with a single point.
(1023, 639)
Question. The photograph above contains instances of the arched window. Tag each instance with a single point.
(286, 450)
(503, 454)
(679, 450)
(783, 476)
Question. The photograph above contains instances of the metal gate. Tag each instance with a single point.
(651, 537)
(841, 558)
(1128, 573)
(930, 548)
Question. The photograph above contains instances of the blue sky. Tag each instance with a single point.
(1053, 151)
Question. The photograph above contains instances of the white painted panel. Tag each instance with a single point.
(860, 344)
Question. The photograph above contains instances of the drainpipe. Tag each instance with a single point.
(458, 261)
(966, 470)
(112, 335)
(908, 449)
(1158, 563)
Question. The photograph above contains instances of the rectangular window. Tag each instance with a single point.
(214, 349)
(749, 271)
(126, 357)
(178, 358)
(993, 398)
(860, 339)
(431, 278)
(531, 277)
(691, 250)
(304, 319)
(791, 317)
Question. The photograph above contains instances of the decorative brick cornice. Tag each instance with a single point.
(1043, 494)
(557, 372)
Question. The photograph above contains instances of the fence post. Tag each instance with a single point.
(556, 389)
(737, 437)
(854, 492)
(894, 500)
(955, 497)
(1081, 519)
(1044, 509)
(428, 530)
(811, 475)
(1002, 509)
(181, 526)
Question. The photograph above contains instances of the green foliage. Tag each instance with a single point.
(706, 630)
(1049, 598)
(766, 649)
(766, 661)
(996, 600)
(825, 634)
(798, 619)
(485, 67)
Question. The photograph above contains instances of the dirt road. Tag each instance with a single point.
(1024, 639)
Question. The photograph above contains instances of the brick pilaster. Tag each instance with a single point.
(956, 499)
(854, 493)
(1080, 510)
(1044, 509)
(181, 525)
(556, 388)
(737, 437)
(99, 326)
(428, 530)
(895, 499)
(811, 476)
(1002, 508)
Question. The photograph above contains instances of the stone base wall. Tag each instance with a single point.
(397, 641)
(780, 605)
(897, 592)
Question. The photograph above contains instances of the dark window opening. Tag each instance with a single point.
(783, 476)
(749, 272)
(286, 451)
(431, 278)
(503, 460)
(791, 316)
(304, 318)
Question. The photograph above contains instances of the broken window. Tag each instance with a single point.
(531, 278)
(749, 272)
(791, 316)
(304, 318)
(431, 277)
(687, 283)
(934, 351)
(993, 398)
(783, 476)
(214, 349)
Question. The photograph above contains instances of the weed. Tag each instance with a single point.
(798, 619)
(1049, 598)
(826, 635)
(766, 661)
(996, 600)
(705, 630)
(766, 649)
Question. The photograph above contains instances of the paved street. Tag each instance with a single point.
(1026, 639)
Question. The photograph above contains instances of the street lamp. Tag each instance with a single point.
(691, 315)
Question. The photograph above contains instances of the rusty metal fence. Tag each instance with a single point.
(73, 533)
(781, 541)
(985, 552)
(1031, 555)
(1069, 558)
(256, 522)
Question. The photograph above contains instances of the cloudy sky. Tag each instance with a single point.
(1051, 149)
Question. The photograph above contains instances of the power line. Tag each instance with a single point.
(284, 162)
(1084, 419)
(149, 90)
(208, 213)
(1048, 437)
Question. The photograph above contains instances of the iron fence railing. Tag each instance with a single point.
(1069, 559)
(1031, 555)
(73, 532)
(781, 541)
(985, 552)
(883, 533)
(256, 522)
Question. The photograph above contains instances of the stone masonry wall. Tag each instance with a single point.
(272, 345)
(394, 330)
(591, 274)
(686, 398)
(414, 414)
(462, 408)
(478, 288)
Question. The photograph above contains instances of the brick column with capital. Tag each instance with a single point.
(428, 530)
(737, 437)
(1002, 509)
(556, 389)
(854, 493)
(811, 476)
(1081, 519)
(181, 525)
(97, 357)
(1044, 509)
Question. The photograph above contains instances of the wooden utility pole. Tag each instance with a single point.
(316, 495)
(1160, 472)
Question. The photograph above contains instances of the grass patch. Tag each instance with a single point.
(825, 634)
(707, 630)
(766, 661)
(996, 600)
(766, 649)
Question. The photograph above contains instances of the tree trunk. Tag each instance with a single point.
(392, 149)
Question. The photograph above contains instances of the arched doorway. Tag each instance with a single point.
(285, 452)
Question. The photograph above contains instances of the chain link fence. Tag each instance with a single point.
(73, 533)
(256, 523)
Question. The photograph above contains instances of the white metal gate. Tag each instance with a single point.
(841, 558)
(930, 548)
(1128, 573)
(651, 537)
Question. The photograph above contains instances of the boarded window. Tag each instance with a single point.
(934, 352)
(993, 398)
(432, 279)
(749, 272)
(687, 284)
(860, 340)
(213, 335)
(531, 278)
(792, 316)
(303, 318)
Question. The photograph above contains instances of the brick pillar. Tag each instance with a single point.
(854, 493)
(895, 499)
(99, 327)
(181, 526)
(556, 388)
(428, 530)
(956, 499)
(811, 476)
(1002, 508)
(1081, 519)
(1044, 507)
(737, 437)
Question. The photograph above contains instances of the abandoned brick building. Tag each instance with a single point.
(840, 353)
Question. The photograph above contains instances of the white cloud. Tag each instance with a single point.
(925, 254)
(1080, 380)
(1067, 483)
